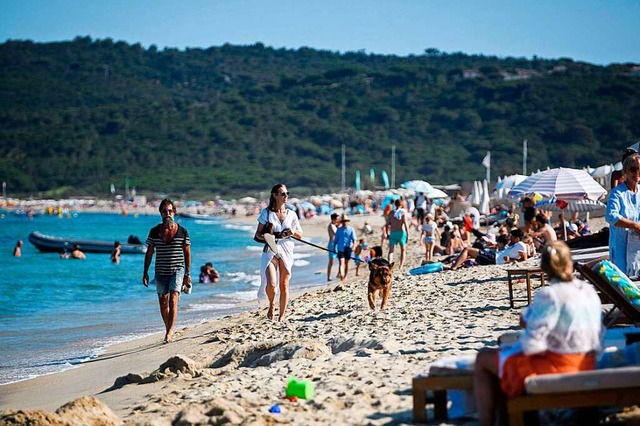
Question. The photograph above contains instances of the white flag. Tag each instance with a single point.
(486, 161)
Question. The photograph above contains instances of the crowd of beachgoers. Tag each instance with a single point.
(360, 361)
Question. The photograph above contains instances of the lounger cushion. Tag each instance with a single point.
(453, 365)
(612, 274)
(609, 378)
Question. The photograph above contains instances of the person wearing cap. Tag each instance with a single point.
(397, 225)
(623, 216)
(344, 240)
(331, 247)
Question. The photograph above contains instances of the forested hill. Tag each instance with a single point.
(79, 115)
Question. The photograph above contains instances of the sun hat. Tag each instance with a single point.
(344, 218)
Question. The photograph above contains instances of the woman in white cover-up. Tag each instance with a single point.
(282, 223)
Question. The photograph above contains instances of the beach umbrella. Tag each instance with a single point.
(436, 193)
(510, 181)
(416, 185)
(562, 183)
(582, 206)
(484, 202)
(336, 204)
(476, 193)
(424, 187)
(602, 171)
(247, 200)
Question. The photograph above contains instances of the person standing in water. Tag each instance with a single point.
(173, 264)
(17, 250)
(115, 253)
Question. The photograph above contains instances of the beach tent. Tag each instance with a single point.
(562, 183)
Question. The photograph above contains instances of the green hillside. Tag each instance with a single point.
(233, 120)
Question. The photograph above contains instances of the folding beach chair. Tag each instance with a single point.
(622, 305)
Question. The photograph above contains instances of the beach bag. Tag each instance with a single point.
(266, 229)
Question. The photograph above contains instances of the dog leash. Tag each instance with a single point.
(355, 258)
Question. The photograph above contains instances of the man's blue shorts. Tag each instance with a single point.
(332, 250)
(398, 237)
(168, 283)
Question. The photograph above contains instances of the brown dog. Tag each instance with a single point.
(380, 278)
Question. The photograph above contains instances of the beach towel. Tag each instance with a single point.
(612, 274)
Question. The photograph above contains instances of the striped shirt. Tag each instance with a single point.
(169, 256)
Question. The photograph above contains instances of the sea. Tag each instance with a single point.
(57, 313)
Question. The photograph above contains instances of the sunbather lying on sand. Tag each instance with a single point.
(515, 251)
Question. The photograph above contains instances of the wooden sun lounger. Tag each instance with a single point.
(598, 388)
(433, 390)
(611, 294)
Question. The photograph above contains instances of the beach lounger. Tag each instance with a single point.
(597, 388)
(586, 255)
(446, 374)
(622, 306)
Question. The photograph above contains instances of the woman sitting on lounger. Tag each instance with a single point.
(561, 334)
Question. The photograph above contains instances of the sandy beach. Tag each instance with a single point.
(234, 369)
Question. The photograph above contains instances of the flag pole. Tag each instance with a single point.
(524, 157)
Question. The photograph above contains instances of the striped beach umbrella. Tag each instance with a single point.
(581, 206)
(561, 183)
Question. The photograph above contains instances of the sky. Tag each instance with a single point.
(596, 31)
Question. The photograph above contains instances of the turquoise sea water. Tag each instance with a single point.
(55, 313)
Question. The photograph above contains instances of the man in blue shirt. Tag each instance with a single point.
(344, 239)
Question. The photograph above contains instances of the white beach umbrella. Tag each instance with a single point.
(475, 195)
(602, 171)
(562, 183)
(247, 200)
(417, 185)
(510, 181)
(484, 203)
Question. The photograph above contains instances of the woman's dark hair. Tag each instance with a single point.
(272, 199)
(164, 203)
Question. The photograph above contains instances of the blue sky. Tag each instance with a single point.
(596, 31)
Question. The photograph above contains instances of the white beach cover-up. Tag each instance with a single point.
(285, 245)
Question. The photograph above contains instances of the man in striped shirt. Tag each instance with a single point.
(173, 264)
